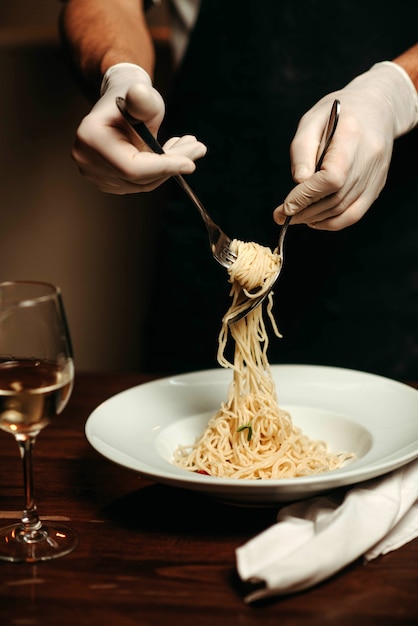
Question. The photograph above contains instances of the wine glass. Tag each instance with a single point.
(36, 380)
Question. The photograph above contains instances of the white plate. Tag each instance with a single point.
(374, 417)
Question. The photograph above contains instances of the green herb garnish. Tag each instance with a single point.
(250, 430)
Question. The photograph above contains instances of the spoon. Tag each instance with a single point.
(323, 147)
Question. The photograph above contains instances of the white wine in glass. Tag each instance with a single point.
(36, 381)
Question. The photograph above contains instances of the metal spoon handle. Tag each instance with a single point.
(323, 147)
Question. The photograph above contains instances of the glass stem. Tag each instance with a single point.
(30, 520)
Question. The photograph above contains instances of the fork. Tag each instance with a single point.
(323, 147)
(219, 242)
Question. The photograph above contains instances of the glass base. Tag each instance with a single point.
(48, 542)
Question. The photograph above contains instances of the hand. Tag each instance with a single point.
(106, 152)
(376, 107)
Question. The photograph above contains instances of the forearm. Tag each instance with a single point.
(409, 61)
(97, 34)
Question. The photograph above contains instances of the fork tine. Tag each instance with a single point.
(225, 261)
(225, 256)
(228, 255)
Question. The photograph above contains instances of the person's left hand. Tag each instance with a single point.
(376, 107)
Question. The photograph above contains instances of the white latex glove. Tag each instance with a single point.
(376, 108)
(107, 153)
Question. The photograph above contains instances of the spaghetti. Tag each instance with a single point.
(251, 437)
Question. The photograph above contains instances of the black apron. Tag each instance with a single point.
(348, 298)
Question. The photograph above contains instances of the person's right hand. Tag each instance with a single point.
(105, 149)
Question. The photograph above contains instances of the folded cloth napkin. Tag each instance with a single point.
(315, 538)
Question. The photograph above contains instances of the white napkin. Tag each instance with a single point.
(315, 538)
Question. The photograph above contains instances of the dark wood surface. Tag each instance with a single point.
(151, 555)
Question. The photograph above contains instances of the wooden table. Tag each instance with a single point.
(151, 555)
